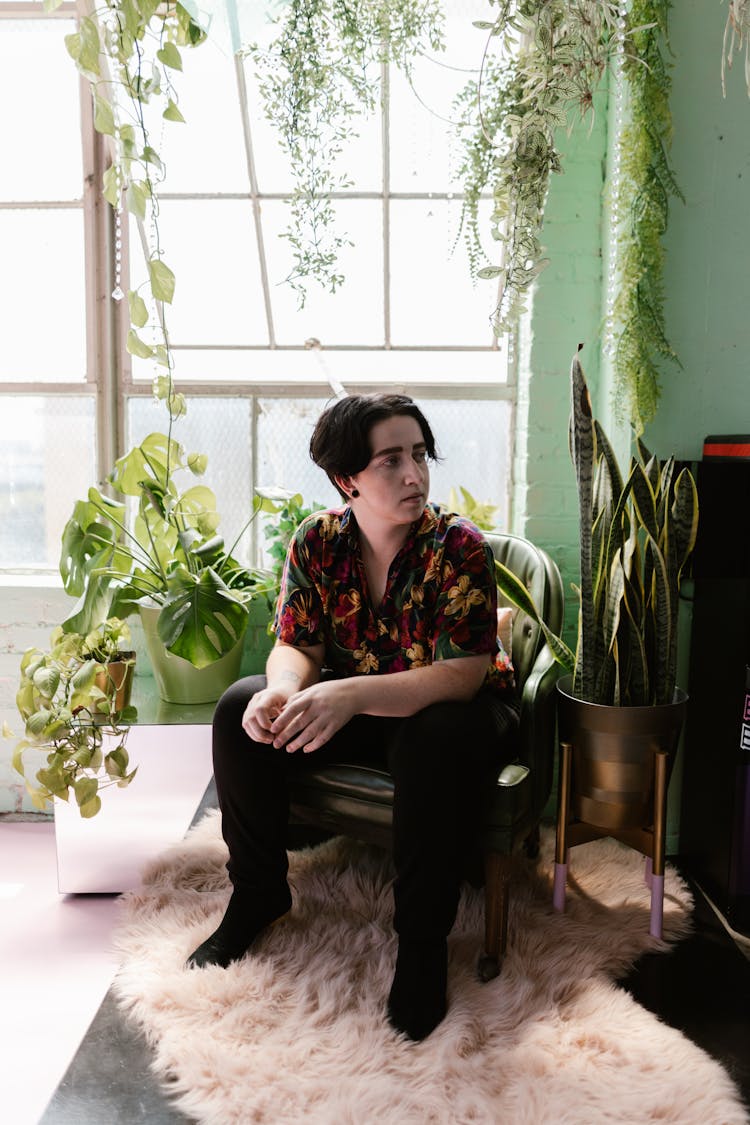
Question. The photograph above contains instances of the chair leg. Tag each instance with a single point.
(497, 879)
(561, 845)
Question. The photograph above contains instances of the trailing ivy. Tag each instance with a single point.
(321, 71)
(645, 187)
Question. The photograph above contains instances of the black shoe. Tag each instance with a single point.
(417, 1001)
(244, 920)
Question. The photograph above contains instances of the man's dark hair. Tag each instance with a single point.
(340, 443)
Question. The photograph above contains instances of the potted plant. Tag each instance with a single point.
(620, 711)
(169, 564)
(73, 699)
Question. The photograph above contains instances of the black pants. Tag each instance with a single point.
(442, 760)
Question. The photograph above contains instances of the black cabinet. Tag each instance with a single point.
(715, 813)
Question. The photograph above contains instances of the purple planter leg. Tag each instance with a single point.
(558, 890)
(648, 872)
(657, 905)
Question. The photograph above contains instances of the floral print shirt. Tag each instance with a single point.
(440, 599)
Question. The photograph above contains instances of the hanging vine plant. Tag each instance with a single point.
(320, 73)
(554, 56)
(129, 51)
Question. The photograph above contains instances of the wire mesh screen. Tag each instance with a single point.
(222, 429)
(472, 439)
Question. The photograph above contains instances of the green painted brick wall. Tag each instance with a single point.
(565, 310)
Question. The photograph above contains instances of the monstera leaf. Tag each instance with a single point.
(202, 618)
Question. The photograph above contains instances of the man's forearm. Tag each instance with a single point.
(404, 693)
(290, 669)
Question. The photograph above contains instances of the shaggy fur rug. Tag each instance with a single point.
(296, 1031)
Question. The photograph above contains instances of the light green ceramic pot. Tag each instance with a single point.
(179, 681)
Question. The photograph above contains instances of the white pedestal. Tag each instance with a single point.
(107, 853)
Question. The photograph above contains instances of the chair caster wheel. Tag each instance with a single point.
(488, 968)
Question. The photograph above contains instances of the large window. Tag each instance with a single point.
(255, 367)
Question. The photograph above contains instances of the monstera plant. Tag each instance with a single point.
(636, 533)
(171, 555)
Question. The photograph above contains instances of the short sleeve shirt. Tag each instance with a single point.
(440, 599)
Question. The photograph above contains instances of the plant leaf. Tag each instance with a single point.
(170, 56)
(202, 618)
(172, 113)
(136, 345)
(162, 280)
(138, 310)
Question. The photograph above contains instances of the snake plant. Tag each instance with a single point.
(635, 536)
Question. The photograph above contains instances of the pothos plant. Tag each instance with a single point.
(67, 698)
(129, 52)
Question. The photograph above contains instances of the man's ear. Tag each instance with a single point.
(345, 485)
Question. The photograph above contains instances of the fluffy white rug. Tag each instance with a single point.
(296, 1031)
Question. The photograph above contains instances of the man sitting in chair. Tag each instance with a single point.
(386, 650)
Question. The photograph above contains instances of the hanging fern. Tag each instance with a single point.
(645, 188)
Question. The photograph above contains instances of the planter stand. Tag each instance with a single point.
(648, 841)
(615, 765)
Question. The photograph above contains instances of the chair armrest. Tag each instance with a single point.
(538, 723)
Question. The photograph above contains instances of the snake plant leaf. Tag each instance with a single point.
(683, 520)
(644, 499)
(583, 447)
(202, 618)
(513, 589)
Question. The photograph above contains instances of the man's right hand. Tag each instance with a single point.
(261, 711)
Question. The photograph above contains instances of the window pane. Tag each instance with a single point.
(42, 118)
(42, 295)
(473, 438)
(207, 153)
(421, 133)
(452, 310)
(46, 464)
(284, 430)
(210, 245)
(354, 313)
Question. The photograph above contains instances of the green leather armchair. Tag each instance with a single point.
(357, 800)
